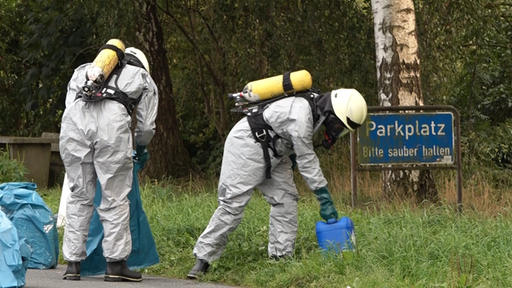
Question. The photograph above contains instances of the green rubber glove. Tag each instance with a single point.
(293, 157)
(327, 210)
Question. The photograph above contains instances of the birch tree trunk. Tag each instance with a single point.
(399, 84)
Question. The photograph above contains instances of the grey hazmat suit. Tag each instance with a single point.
(243, 169)
(96, 144)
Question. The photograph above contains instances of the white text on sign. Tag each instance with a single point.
(406, 130)
(369, 151)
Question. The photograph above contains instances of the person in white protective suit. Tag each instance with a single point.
(96, 146)
(292, 122)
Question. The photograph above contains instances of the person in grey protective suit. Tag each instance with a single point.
(292, 122)
(96, 146)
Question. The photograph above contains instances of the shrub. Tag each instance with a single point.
(11, 170)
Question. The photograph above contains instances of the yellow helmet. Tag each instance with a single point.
(350, 107)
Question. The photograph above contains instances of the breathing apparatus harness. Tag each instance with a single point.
(106, 91)
(261, 130)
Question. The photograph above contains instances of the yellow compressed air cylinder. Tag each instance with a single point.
(105, 62)
(273, 86)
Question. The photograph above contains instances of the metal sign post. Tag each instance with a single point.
(427, 139)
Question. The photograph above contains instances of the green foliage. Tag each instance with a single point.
(226, 44)
(496, 144)
(215, 47)
(466, 57)
(11, 70)
(40, 67)
(43, 42)
(489, 148)
(11, 170)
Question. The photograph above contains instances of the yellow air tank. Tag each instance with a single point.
(275, 86)
(103, 65)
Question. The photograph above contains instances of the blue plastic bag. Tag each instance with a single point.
(14, 255)
(34, 221)
(143, 253)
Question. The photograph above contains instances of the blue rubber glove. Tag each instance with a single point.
(141, 155)
(327, 210)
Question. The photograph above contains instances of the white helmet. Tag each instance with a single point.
(137, 53)
(350, 107)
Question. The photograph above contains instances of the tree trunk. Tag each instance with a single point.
(210, 62)
(399, 84)
(168, 156)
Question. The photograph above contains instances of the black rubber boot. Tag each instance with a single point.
(119, 271)
(72, 272)
(199, 269)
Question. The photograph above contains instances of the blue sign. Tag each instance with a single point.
(407, 138)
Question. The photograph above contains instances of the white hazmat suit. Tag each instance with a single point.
(96, 144)
(243, 169)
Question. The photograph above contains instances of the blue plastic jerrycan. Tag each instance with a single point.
(336, 236)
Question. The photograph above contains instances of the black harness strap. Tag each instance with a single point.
(116, 95)
(121, 97)
(130, 59)
(287, 83)
(260, 129)
(112, 92)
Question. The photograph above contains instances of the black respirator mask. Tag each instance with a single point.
(334, 129)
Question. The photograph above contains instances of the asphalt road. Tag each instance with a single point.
(52, 278)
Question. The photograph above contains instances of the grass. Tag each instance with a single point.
(399, 244)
